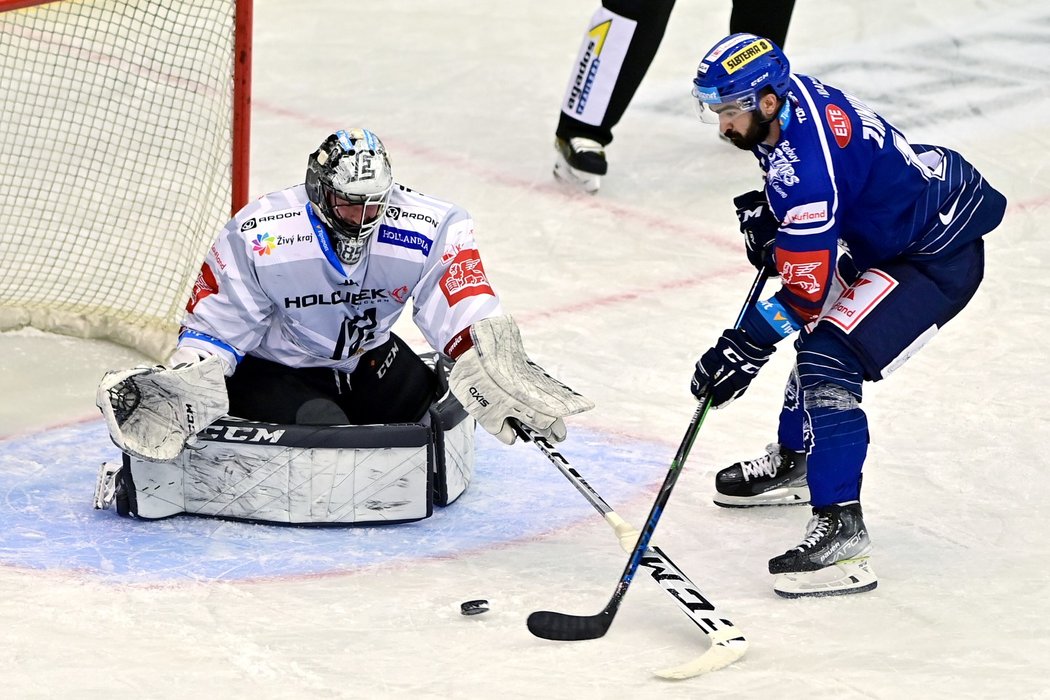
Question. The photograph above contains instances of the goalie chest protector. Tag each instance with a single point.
(299, 474)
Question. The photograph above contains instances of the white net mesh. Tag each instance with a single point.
(115, 162)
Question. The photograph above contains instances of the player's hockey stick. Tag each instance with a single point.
(562, 626)
(727, 643)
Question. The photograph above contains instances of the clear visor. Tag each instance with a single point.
(357, 212)
(728, 109)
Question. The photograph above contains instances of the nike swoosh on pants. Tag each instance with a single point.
(946, 217)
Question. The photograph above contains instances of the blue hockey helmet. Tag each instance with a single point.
(735, 70)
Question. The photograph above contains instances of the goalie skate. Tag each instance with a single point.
(776, 478)
(105, 485)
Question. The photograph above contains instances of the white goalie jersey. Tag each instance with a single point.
(272, 285)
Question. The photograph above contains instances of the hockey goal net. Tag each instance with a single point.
(123, 151)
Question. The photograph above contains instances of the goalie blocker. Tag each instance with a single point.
(305, 475)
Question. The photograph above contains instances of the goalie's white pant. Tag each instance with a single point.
(294, 474)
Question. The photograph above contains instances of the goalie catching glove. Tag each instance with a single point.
(497, 383)
(152, 411)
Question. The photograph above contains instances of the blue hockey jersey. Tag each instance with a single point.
(841, 174)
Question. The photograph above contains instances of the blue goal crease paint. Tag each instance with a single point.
(47, 480)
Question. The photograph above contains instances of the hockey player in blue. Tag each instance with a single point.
(878, 243)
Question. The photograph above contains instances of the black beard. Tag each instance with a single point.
(757, 132)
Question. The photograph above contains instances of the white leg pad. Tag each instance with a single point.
(291, 474)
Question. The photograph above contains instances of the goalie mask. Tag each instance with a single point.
(348, 181)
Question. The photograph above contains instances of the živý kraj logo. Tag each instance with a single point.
(264, 244)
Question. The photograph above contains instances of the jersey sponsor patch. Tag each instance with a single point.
(803, 214)
(218, 258)
(775, 315)
(451, 251)
(858, 300)
(805, 273)
(397, 213)
(290, 240)
(404, 238)
(839, 124)
(460, 343)
(205, 285)
(465, 277)
(741, 58)
(780, 172)
(263, 244)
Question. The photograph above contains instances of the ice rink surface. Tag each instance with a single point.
(616, 294)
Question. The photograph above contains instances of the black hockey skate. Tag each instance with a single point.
(580, 162)
(831, 560)
(776, 478)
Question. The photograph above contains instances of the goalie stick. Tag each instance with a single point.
(565, 627)
(727, 643)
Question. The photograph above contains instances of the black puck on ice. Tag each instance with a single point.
(474, 607)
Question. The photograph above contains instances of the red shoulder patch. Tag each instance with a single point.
(205, 285)
(465, 277)
(805, 274)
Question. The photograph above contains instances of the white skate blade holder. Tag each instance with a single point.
(786, 496)
(587, 182)
(106, 485)
(841, 578)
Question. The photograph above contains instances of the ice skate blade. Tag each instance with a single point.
(588, 182)
(841, 578)
(106, 485)
(787, 496)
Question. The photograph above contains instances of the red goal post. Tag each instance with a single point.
(124, 140)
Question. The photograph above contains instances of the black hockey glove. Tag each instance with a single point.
(726, 370)
(759, 226)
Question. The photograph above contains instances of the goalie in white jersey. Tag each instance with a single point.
(294, 307)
